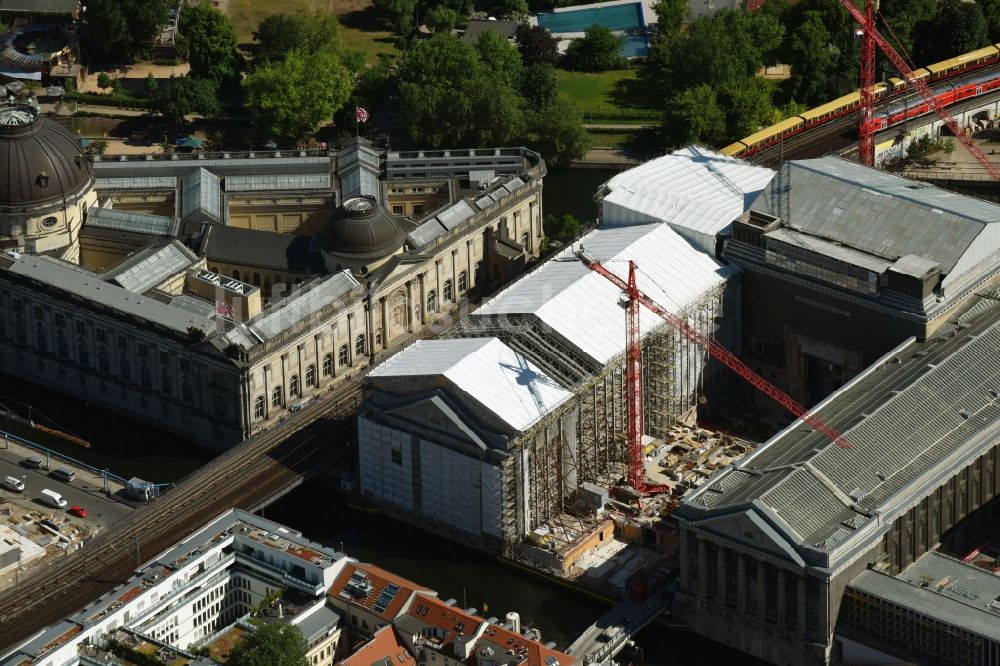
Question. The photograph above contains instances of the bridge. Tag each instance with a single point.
(614, 630)
(247, 476)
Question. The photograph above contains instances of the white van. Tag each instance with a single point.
(13, 483)
(53, 498)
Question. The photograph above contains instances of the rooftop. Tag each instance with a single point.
(696, 191)
(942, 588)
(384, 649)
(39, 6)
(151, 266)
(379, 591)
(910, 419)
(882, 214)
(485, 370)
(264, 249)
(671, 272)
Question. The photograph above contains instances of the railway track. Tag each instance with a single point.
(236, 478)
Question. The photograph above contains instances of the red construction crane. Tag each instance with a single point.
(633, 364)
(867, 129)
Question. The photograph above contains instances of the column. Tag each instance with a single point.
(384, 307)
(423, 299)
(470, 267)
(454, 276)
(318, 359)
(334, 347)
(761, 591)
(267, 390)
(702, 570)
(283, 359)
(408, 317)
(350, 339)
(721, 574)
(801, 606)
(782, 610)
(741, 582)
(437, 278)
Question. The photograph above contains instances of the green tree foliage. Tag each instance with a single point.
(670, 15)
(104, 81)
(694, 116)
(287, 99)
(561, 227)
(559, 133)
(499, 58)
(747, 105)
(536, 44)
(310, 32)
(452, 97)
(956, 27)
(271, 645)
(151, 83)
(211, 42)
(186, 95)
(119, 31)
(597, 51)
(821, 49)
(441, 19)
(991, 12)
(902, 16)
(512, 10)
(398, 15)
(538, 85)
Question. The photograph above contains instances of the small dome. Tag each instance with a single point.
(43, 162)
(361, 230)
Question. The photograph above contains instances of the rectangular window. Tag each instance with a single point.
(397, 456)
(164, 357)
(102, 335)
(38, 312)
(80, 328)
(60, 320)
(143, 350)
(397, 210)
(122, 343)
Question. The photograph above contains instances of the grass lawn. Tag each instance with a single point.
(358, 29)
(605, 93)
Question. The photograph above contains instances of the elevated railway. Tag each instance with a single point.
(243, 477)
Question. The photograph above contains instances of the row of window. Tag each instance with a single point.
(294, 390)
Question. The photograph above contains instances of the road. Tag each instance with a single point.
(608, 635)
(103, 511)
(241, 477)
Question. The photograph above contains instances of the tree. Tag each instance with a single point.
(949, 146)
(512, 10)
(186, 95)
(560, 227)
(694, 116)
(211, 42)
(561, 136)
(991, 12)
(536, 44)
(597, 51)
(305, 31)
(811, 57)
(104, 81)
(398, 15)
(538, 85)
(821, 49)
(441, 19)
(287, 99)
(902, 16)
(119, 31)
(956, 27)
(500, 58)
(747, 105)
(151, 84)
(271, 645)
(670, 15)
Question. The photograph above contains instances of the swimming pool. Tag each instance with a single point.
(615, 17)
(635, 45)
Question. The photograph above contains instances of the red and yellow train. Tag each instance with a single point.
(939, 76)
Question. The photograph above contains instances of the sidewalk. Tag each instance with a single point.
(93, 483)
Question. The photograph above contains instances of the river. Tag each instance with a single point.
(129, 448)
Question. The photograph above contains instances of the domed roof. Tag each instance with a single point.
(42, 161)
(360, 229)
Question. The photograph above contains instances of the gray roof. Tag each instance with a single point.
(265, 249)
(124, 182)
(881, 214)
(39, 6)
(182, 165)
(318, 623)
(832, 250)
(301, 304)
(124, 220)
(358, 169)
(446, 220)
(201, 195)
(278, 181)
(151, 266)
(505, 29)
(942, 588)
(905, 421)
(77, 282)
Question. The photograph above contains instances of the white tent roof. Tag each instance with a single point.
(487, 371)
(582, 307)
(696, 191)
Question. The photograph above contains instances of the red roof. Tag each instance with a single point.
(380, 580)
(432, 612)
(384, 649)
(533, 652)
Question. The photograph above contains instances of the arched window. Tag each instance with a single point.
(293, 386)
(236, 275)
(41, 339)
(432, 301)
(124, 369)
(328, 365)
(61, 347)
(478, 275)
(81, 353)
(526, 241)
(276, 396)
(145, 377)
(102, 360)
(311, 375)
(447, 291)
(463, 282)
(256, 279)
(378, 337)
(187, 395)
(359, 345)
(343, 355)
(258, 407)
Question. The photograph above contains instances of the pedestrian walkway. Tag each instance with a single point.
(93, 481)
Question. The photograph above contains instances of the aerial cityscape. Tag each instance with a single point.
(499, 332)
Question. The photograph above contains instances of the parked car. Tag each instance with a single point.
(13, 483)
(78, 511)
(53, 499)
(32, 462)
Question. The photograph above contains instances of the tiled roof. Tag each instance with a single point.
(503, 646)
(429, 612)
(381, 582)
(384, 649)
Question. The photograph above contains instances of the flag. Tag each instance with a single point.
(485, 608)
(361, 114)
(223, 309)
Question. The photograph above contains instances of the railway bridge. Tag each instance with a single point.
(613, 631)
(247, 476)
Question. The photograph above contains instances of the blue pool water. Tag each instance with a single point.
(616, 17)
(635, 45)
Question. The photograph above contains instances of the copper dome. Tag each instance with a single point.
(42, 162)
(360, 229)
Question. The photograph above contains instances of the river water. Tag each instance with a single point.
(129, 448)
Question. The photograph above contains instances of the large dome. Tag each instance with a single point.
(361, 230)
(42, 162)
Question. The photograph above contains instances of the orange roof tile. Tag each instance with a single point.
(129, 595)
(380, 579)
(432, 612)
(384, 649)
(532, 652)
